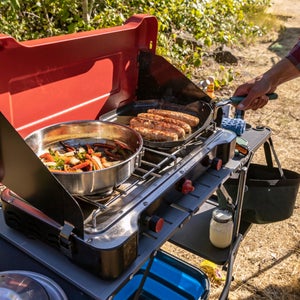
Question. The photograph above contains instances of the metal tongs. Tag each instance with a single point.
(237, 99)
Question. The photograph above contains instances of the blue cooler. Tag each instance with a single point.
(169, 278)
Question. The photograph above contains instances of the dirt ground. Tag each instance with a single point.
(267, 265)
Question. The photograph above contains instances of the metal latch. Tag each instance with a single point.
(224, 198)
(65, 243)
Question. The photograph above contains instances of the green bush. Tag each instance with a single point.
(207, 23)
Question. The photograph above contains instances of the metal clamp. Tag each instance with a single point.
(65, 243)
(225, 200)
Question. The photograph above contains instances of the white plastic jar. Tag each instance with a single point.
(221, 228)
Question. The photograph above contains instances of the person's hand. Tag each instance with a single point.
(255, 92)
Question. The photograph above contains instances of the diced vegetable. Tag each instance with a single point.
(89, 157)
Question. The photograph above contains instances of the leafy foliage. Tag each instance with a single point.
(207, 23)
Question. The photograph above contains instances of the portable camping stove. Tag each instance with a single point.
(117, 67)
(113, 223)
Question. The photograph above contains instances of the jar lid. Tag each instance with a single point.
(221, 215)
(20, 285)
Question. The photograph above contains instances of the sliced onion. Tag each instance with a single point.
(50, 163)
(74, 161)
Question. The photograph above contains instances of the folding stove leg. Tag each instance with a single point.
(237, 237)
(239, 201)
(233, 253)
(146, 273)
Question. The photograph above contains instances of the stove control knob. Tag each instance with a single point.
(187, 186)
(217, 163)
(155, 223)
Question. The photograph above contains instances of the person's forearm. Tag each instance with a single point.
(294, 55)
(256, 90)
(282, 72)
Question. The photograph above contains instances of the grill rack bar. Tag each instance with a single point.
(146, 172)
(140, 175)
(168, 158)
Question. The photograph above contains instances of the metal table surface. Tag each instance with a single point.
(22, 253)
(200, 244)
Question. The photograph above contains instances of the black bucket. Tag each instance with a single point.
(268, 197)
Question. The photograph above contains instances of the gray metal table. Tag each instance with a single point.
(194, 235)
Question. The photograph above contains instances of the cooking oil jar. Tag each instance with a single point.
(221, 228)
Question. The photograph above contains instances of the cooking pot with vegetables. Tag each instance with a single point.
(88, 157)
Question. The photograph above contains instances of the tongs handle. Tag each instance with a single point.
(238, 99)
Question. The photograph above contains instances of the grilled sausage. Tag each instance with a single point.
(156, 135)
(159, 125)
(191, 120)
(187, 128)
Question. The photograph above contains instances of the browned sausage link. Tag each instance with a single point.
(156, 135)
(159, 125)
(191, 120)
(187, 128)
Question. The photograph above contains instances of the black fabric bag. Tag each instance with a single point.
(270, 192)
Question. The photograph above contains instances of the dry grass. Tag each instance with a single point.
(267, 265)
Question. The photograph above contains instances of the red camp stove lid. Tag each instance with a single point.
(72, 77)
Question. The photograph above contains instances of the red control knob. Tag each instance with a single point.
(217, 163)
(187, 186)
(155, 223)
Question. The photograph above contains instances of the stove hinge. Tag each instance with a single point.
(65, 242)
